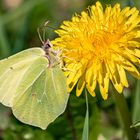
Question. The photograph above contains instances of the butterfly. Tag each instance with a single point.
(33, 84)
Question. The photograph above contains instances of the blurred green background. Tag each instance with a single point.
(19, 20)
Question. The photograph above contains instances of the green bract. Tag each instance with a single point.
(37, 93)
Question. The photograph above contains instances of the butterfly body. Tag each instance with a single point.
(53, 56)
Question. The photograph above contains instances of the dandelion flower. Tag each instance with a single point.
(99, 46)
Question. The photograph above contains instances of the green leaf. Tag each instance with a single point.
(37, 93)
(85, 134)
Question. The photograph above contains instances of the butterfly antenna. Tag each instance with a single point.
(38, 31)
(50, 27)
(42, 39)
(46, 25)
(44, 34)
(44, 31)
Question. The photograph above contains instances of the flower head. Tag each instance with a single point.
(99, 46)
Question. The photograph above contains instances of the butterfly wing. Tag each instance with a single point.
(12, 71)
(44, 100)
(36, 93)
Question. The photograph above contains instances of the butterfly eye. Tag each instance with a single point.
(47, 45)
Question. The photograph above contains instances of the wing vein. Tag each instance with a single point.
(53, 82)
(44, 88)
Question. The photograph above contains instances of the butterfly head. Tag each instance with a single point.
(46, 45)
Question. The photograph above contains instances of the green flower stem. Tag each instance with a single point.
(125, 115)
(85, 135)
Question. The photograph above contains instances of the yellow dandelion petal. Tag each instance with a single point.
(73, 77)
(80, 86)
(91, 80)
(99, 46)
(103, 80)
(137, 53)
(122, 75)
(131, 69)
